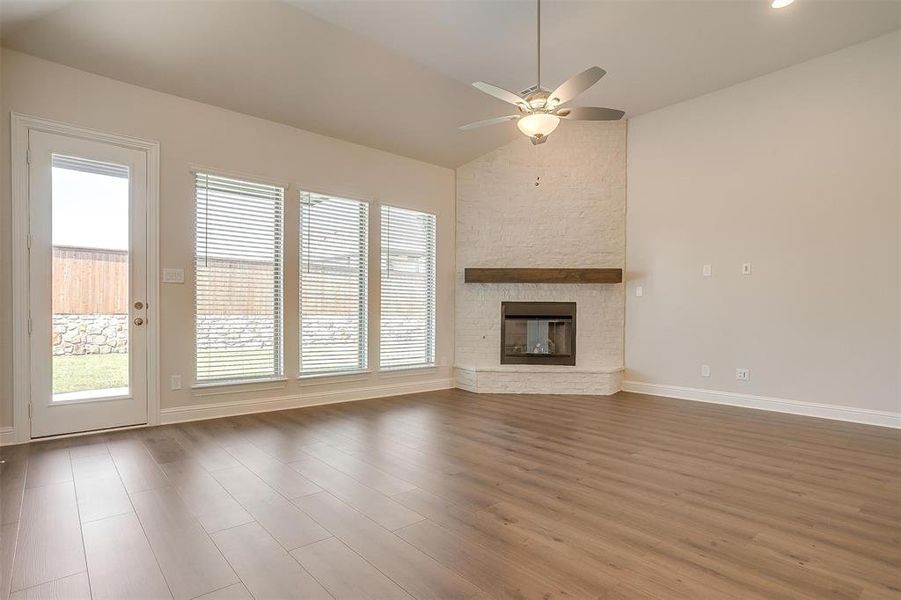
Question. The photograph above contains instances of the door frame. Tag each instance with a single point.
(20, 126)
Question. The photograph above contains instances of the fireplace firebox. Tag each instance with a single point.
(538, 333)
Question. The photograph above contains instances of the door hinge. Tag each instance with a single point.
(29, 411)
(29, 325)
(28, 241)
(28, 156)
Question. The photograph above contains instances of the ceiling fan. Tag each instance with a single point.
(540, 109)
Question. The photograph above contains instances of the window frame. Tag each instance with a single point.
(367, 349)
(279, 325)
(432, 300)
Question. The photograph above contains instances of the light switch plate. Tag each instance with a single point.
(173, 275)
(707, 270)
(639, 291)
(746, 268)
(705, 370)
(175, 382)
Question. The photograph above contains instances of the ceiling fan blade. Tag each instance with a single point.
(501, 93)
(577, 84)
(590, 113)
(493, 121)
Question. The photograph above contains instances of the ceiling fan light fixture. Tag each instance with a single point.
(538, 125)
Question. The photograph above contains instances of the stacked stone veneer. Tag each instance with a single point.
(574, 217)
(89, 334)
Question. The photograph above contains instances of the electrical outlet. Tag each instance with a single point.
(746, 268)
(742, 374)
(175, 382)
(639, 291)
(707, 270)
(705, 370)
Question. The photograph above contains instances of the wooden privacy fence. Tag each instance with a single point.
(228, 286)
(90, 281)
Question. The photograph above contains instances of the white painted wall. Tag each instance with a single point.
(798, 173)
(574, 218)
(191, 133)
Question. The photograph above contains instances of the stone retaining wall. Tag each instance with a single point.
(107, 334)
(90, 334)
(245, 332)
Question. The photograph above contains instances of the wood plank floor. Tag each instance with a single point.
(455, 495)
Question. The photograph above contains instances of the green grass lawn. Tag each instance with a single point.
(104, 371)
(89, 372)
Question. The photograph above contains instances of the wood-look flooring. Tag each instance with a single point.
(455, 495)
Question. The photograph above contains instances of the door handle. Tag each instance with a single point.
(139, 321)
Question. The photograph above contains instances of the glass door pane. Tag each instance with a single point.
(90, 264)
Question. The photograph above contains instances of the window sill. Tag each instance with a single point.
(411, 370)
(237, 386)
(335, 377)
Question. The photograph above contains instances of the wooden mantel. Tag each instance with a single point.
(527, 275)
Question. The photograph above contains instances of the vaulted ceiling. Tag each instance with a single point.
(395, 75)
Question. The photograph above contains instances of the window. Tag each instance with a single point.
(238, 279)
(333, 284)
(408, 289)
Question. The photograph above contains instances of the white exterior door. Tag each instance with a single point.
(87, 284)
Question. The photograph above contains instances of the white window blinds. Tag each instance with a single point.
(333, 284)
(238, 279)
(407, 336)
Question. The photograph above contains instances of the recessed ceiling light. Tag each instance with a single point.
(781, 3)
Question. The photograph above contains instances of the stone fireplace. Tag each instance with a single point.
(559, 207)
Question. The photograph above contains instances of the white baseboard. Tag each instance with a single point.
(795, 407)
(8, 436)
(180, 414)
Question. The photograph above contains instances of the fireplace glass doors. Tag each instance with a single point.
(538, 333)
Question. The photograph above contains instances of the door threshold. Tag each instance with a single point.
(60, 436)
